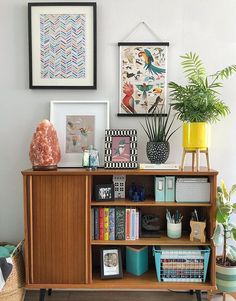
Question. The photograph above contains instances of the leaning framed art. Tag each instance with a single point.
(62, 45)
(121, 148)
(143, 77)
(79, 124)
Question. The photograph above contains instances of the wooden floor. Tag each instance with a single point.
(118, 296)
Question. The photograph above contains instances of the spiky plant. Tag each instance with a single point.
(158, 125)
(199, 100)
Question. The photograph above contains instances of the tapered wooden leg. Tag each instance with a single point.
(224, 296)
(210, 294)
(183, 158)
(207, 158)
(199, 295)
(42, 293)
(193, 160)
(197, 158)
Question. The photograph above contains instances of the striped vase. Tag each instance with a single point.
(226, 278)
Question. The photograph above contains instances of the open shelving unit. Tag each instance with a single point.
(59, 249)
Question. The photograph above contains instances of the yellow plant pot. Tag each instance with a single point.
(195, 135)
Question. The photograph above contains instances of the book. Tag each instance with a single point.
(132, 223)
(92, 223)
(120, 223)
(106, 223)
(137, 225)
(111, 223)
(127, 224)
(101, 223)
(96, 223)
(158, 166)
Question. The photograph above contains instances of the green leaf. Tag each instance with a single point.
(232, 190)
(224, 190)
(223, 213)
(233, 233)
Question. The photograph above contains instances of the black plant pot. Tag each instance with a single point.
(158, 152)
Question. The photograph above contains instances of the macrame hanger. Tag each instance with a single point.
(135, 29)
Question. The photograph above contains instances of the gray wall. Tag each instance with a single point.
(206, 27)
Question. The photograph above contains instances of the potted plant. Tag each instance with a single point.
(158, 129)
(225, 236)
(198, 102)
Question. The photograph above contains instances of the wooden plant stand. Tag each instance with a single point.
(195, 154)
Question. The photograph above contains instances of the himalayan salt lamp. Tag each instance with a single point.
(44, 148)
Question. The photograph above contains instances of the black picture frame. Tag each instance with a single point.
(90, 79)
(112, 268)
(104, 193)
(121, 148)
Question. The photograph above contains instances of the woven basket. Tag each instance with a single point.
(13, 290)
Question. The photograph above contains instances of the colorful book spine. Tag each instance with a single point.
(101, 223)
(132, 223)
(96, 223)
(111, 223)
(92, 223)
(137, 225)
(127, 224)
(120, 223)
(106, 223)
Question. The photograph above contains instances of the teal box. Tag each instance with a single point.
(170, 189)
(137, 260)
(160, 189)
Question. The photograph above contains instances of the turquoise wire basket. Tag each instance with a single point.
(181, 264)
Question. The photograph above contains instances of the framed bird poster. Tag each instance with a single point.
(143, 77)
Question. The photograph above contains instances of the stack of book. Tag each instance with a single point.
(115, 223)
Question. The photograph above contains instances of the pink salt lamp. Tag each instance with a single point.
(44, 148)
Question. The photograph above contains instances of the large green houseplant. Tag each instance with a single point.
(158, 128)
(198, 103)
(225, 237)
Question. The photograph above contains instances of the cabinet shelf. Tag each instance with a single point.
(147, 203)
(146, 281)
(161, 241)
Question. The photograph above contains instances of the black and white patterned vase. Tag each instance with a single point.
(158, 152)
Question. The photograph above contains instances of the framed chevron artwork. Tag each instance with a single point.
(62, 45)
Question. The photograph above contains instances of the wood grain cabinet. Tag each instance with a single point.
(55, 229)
(60, 251)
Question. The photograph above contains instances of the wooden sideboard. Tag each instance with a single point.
(59, 249)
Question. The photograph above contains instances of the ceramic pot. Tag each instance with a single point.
(158, 152)
(195, 135)
(226, 278)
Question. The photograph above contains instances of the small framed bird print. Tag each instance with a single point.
(143, 77)
(121, 148)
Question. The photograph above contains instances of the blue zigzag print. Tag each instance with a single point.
(62, 46)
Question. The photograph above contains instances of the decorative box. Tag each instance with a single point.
(137, 260)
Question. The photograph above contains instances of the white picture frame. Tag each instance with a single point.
(61, 110)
